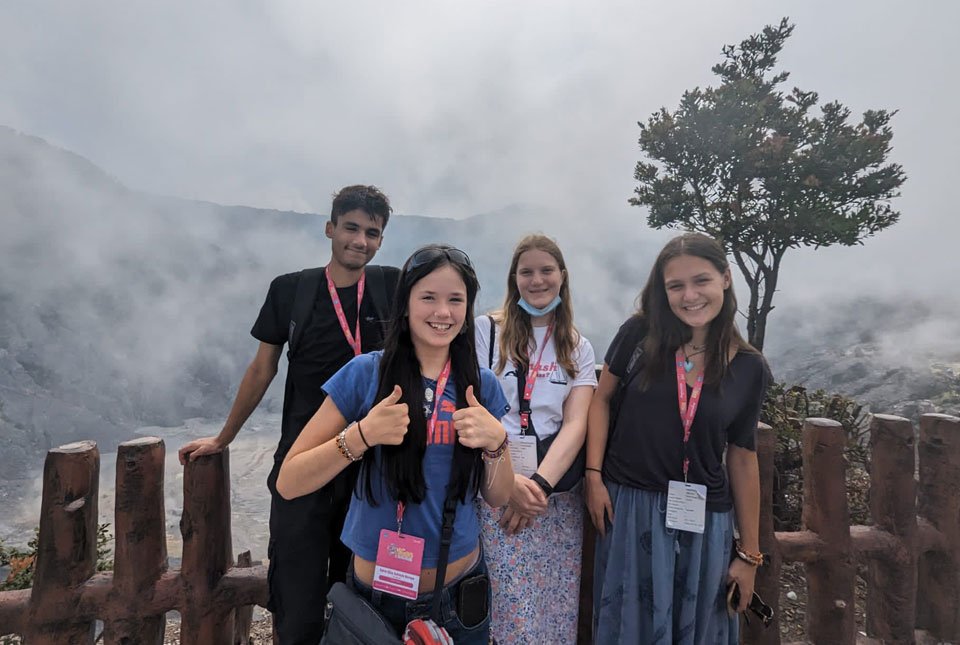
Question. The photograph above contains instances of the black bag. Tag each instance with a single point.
(350, 619)
(575, 473)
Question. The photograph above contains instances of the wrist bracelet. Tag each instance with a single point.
(596, 470)
(542, 483)
(490, 455)
(755, 559)
(343, 448)
(362, 438)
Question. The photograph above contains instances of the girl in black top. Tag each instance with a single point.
(656, 487)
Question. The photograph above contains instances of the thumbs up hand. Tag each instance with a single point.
(477, 428)
(387, 421)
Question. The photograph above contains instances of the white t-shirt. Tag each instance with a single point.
(553, 383)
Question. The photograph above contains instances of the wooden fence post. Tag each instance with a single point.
(831, 578)
(938, 575)
(244, 615)
(140, 554)
(892, 582)
(67, 546)
(207, 550)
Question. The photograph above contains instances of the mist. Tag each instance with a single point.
(130, 277)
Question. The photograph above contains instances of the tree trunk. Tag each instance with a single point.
(769, 283)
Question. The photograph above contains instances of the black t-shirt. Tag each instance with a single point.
(321, 350)
(646, 448)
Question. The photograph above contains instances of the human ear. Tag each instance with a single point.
(328, 229)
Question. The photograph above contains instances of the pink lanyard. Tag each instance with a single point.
(687, 413)
(438, 393)
(532, 380)
(352, 339)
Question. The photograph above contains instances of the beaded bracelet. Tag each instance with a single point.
(756, 559)
(490, 455)
(343, 448)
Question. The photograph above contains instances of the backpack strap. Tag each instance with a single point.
(620, 391)
(308, 286)
(381, 294)
(493, 338)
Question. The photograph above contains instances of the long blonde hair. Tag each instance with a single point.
(516, 330)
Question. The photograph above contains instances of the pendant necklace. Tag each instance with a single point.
(687, 363)
(427, 400)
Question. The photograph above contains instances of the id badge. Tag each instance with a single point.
(523, 454)
(398, 564)
(686, 506)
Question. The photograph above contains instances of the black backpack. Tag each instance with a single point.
(381, 285)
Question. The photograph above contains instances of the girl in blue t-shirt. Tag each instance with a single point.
(420, 415)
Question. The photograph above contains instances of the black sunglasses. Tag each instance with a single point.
(424, 256)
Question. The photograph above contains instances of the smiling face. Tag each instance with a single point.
(355, 239)
(694, 289)
(437, 308)
(539, 277)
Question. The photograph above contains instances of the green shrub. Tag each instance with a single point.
(785, 409)
(22, 561)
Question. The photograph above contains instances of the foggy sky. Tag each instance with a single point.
(465, 107)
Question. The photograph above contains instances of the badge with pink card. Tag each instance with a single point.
(398, 564)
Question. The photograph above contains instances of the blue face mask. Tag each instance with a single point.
(533, 311)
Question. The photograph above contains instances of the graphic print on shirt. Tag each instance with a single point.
(557, 374)
(444, 432)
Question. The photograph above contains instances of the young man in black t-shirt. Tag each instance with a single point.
(305, 532)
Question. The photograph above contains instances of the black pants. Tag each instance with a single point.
(304, 535)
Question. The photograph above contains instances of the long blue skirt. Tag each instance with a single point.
(654, 585)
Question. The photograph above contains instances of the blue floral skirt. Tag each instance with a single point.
(535, 574)
(654, 585)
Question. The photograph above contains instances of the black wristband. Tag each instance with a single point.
(542, 483)
(596, 470)
(362, 438)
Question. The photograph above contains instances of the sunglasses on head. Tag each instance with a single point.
(425, 256)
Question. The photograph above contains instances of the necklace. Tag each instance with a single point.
(687, 363)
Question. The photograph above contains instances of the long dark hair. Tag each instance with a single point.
(666, 333)
(402, 466)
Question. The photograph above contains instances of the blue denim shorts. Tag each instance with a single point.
(400, 611)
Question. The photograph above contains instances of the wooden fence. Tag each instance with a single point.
(912, 549)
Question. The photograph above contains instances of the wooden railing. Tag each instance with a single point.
(68, 596)
(912, 550)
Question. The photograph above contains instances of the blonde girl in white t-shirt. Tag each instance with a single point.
(534, 543)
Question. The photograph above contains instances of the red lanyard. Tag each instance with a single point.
(438, 394)
(352, 339)
(532, 380)
(687, 413)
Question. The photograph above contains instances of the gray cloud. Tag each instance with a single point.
(462, 108)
